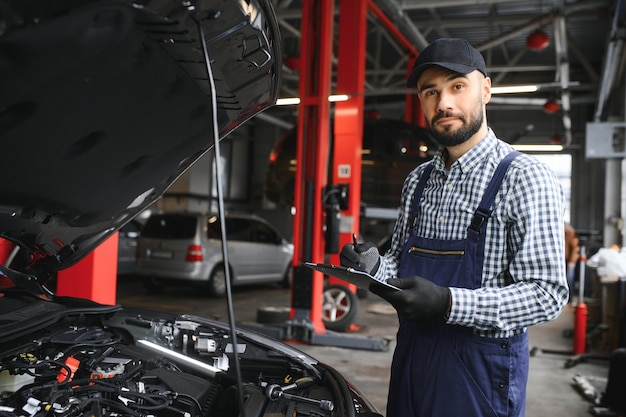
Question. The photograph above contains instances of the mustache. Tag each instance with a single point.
(442, 115)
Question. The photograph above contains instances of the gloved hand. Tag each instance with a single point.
(417, 299)
(362, 256)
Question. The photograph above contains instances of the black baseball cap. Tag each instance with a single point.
(454, 54)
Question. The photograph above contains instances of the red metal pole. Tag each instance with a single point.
(580, 316)
(348, 127)
(312, 155)
(392, 28)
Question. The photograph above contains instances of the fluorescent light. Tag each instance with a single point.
(338, 97)
(514, 89)
(531, 88)
(209, 370)
(290, 101)
(538, 148)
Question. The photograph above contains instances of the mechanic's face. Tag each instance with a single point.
(454, 104)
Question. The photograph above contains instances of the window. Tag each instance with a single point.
(561, 164)
(262, 233)
(170, 226)
(238, 229)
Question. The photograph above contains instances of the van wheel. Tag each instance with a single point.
(217, 282)
(153, 284)
(287, 277)
(339, 307)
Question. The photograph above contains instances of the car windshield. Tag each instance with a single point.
(176, 226)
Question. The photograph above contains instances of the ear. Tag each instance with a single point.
(486, 88)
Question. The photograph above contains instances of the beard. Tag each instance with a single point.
(449, 137)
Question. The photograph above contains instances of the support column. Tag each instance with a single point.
(313, 158)
(612, 203)
(348, 127)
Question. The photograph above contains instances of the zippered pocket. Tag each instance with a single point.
(416, 250)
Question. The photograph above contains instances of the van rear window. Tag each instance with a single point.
(171, 226)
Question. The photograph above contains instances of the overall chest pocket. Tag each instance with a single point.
(437, 250)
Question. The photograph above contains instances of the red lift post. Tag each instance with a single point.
(314, 160)
(312, 169)
(313, 155)
(348, 127)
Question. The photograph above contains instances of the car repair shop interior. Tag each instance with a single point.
(327, 162)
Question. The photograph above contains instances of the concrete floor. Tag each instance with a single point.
(551, 391)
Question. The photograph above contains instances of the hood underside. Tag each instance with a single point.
(105, 104)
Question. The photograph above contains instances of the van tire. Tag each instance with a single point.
(217, 282)
(287, 277)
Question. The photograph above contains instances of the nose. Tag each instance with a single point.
(445, 101)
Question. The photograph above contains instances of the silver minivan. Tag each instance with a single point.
(186, 247)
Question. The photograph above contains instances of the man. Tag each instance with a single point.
(477, 253)
(572, 254)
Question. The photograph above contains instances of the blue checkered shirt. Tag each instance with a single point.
(523, 279)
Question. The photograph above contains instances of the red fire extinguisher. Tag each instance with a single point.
(580, 316)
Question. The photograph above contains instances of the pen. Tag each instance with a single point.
(354, 241)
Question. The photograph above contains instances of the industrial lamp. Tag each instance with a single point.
(550, 106)
(538, 40)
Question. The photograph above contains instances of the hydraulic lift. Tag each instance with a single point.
(328, 189)
(320, 228)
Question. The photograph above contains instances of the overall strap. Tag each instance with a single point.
(417, 195)
(483, 212)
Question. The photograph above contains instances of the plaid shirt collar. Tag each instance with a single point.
(472, 158)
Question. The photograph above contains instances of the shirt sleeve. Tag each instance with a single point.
(531, 287)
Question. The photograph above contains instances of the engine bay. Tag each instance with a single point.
(131, 365)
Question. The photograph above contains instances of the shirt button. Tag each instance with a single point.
(441, 218)
(501, 384)
(450, 186)
(504, 345)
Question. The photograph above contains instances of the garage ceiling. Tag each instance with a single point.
(575, 69)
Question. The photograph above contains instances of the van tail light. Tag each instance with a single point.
(194, 253)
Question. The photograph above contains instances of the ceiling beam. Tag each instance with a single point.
(427, 4)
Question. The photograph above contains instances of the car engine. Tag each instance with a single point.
(130, 365)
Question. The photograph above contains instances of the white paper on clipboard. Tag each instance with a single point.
(353, 276)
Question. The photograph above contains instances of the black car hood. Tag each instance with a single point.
(105, 104)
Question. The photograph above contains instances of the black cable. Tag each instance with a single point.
(112, 404)
(220, 201)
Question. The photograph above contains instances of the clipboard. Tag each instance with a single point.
(353, 276)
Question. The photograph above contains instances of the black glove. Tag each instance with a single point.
(362, 256)
(417, 299)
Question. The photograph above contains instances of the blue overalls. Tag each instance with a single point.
(442, 370)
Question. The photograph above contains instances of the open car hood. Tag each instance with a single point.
(105, 104)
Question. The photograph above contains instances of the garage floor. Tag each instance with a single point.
(550, 390)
